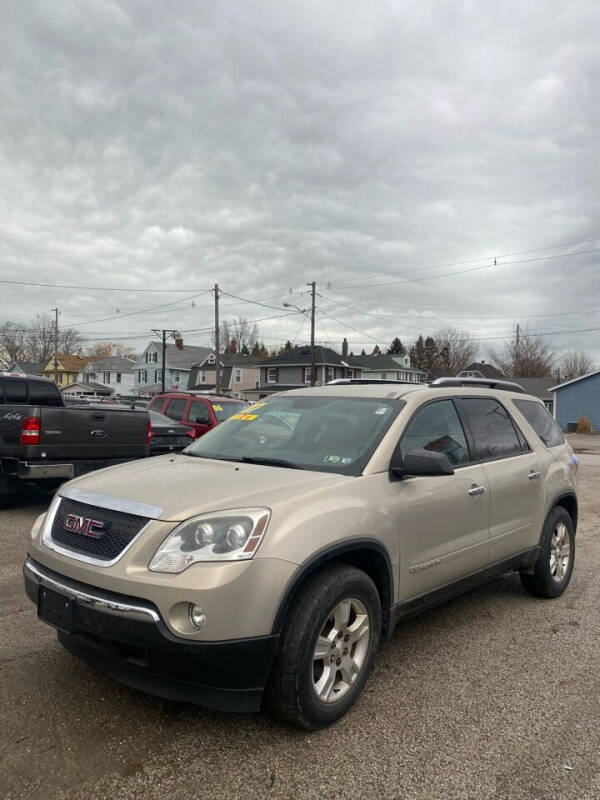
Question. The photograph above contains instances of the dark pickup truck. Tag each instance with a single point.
(44, 441)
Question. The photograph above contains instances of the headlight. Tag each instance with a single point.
(222, 536)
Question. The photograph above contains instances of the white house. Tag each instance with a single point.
(115, 373)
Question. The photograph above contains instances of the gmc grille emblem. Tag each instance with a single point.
(93, 528)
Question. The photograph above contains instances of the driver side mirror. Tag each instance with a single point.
(421, 462)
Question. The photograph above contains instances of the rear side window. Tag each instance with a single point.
(15, 391)
(176, 408)
(436, 427)
(42, 393)
(492, 427)
(541, 422)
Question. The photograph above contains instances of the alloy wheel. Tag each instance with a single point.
(340, 650)
(560, 552)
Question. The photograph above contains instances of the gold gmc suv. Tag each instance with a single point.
(263, 564)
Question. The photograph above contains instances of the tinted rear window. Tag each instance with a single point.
(541, 422)
(492, 428)
(43, 394)
(15, 391)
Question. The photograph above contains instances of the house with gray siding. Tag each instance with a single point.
(178, 366)
(577, 398)
(292, 369)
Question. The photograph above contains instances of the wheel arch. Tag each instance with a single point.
(366, 554)
(568, 501)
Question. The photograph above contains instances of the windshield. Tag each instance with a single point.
(160, 419)
(225, 410)
(326, 433)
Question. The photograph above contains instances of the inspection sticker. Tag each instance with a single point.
(337, 460)
(247, 417)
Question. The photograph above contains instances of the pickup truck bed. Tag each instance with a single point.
(52, 443)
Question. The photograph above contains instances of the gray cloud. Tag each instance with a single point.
(263, 145)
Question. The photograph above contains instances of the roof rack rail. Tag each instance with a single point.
(490, 383)
(346, 381)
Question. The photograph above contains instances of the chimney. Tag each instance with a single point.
(345, 349)
(233, 346)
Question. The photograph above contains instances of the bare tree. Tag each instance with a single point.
(13, 343)
(241, 329)
(525, 355)
(455, 350)
(34, 341)
(107, 348)
(575, 363)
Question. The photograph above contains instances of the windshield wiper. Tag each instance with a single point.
(270, 462)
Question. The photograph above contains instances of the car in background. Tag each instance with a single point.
(168, 436)
(202, 412)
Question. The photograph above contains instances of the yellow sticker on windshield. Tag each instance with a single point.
(256, 406)
(217, 408)
(248, 417)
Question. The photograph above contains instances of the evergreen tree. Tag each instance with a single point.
(431, 354)
(245, 351)
(417, 354)
(396, 347)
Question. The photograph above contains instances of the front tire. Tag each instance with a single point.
(327, 648)
(554, 565)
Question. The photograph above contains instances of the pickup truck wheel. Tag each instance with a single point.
(554, 565)
(327, 648)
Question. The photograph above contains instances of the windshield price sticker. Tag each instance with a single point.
(247, 417)
(217, 408)
(382, 410)
(337, 460)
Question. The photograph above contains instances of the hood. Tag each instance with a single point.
(184, 486)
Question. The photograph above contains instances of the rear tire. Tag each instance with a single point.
(327, 648)
(554, 566)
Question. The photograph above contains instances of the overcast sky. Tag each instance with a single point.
(153, 145)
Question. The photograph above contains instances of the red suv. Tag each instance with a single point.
(202, 412)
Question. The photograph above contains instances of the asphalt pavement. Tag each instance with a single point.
(493, 695)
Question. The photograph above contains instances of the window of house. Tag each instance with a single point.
(211, 359)
(118, 377)
(330, 374)
(492, 428)
(106, 377)
(175, 376)
(143, 376)
(155, 357)
(383, 375)
(437, 427)
(272, 375)
(238, 375)
(307, 374)
(203, 378)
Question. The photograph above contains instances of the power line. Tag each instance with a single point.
(476, 260)
(473, 269)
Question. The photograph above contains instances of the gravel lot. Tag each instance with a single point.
(494, 695)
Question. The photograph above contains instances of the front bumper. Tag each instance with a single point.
(127, 638)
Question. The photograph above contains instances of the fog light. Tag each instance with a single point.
(197, 617)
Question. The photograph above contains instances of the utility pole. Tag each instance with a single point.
(164, 358)
(217, 343)
(313, 369)
(178, 341)
(55, 344)
(517, 353)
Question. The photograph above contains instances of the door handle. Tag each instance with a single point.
(534, 474)
(475, 489)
